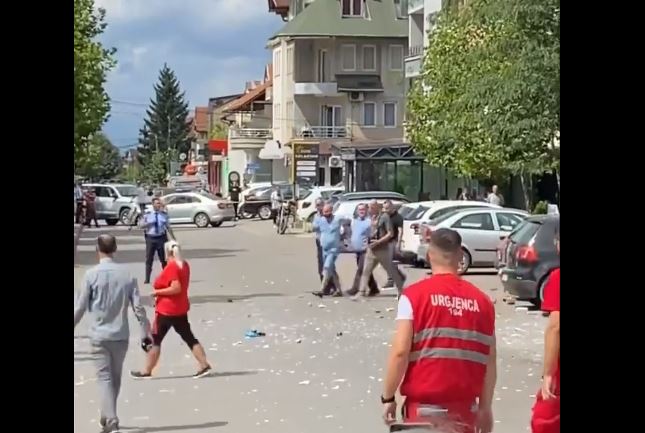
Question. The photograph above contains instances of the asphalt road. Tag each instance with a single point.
(320, 366)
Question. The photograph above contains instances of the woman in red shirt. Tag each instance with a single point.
(171, 311)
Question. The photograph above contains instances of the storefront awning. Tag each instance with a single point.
(369, 151)
(359, 83)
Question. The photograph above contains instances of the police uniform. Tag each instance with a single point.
(155, 225)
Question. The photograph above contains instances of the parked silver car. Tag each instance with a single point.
(480, 229)
(114, 201)
(200, 209)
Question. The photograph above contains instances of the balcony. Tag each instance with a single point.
(415, 6)
(323, 132)
(261, 133)
(316, 89)
(415, 51)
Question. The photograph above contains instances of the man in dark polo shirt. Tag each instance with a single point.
(397, 227)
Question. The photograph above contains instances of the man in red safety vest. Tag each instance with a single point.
(444, 353)
(546, 411)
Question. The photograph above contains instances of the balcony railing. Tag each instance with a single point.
(262, 133)
(416, 50)
(323, 132)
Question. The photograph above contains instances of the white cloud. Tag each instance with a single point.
(207, 14)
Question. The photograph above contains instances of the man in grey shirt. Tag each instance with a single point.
(495, 197)
(380, 250)
(107, 292)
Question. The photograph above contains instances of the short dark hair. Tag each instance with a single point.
(446, 241)
(106, 244)
(154, 199)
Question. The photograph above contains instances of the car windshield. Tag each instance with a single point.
(442, 218)
(128, 191)
(210, 196)
(524, 232)
(417, 213)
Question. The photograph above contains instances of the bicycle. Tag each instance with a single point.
(286, 216)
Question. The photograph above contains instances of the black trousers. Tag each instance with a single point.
(180, 324)
(154, 244)
(330, 286)
(235, 205)
(360, 261)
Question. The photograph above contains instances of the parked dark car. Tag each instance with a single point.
(259, 203)
(530, 258)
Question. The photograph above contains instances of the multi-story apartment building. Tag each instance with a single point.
(249, 118)
(422, 15)
(338, 83)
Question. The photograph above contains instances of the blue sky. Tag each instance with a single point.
(214, 47)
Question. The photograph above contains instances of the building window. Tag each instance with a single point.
(348, 53)
(277, 60)
(369, 114)
(389, 114)
(369, 57)
(277, 116)
(352, 8)
(289, 115)
(289, 60)
(396, 57)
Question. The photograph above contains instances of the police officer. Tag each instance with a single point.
(155, 226)
(444, 347)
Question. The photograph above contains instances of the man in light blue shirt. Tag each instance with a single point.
(361, 232)
(319, 254)
(107, 293)
(155, 225)
(328, 226)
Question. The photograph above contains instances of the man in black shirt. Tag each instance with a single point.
(234, 194)
(397, 228)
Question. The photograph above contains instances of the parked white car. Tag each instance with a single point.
(423, 213)
(306, 206)
(481, 230)
(200, 209)
(114, 201)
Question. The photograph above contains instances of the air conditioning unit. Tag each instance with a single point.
(356, 96)
(335, 161)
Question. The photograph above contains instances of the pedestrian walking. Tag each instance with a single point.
(546, 411)
(360, 235)
(171, 311)
(329, 228)
(234, 195)
(90, 207)
(495, 197)
(395, 243)
(107, 293)
(276, 203)
(155, 225)
(78, 198)
(379, 251)
(331, 287)
(443, 353)
(144, 198)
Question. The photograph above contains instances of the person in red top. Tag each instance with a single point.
(171, 311)
(546, 411)
(444, 352)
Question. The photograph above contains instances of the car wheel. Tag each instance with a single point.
(264, 212)
(465, 263)
(216, 223)
(201, 220)
(112, 222)
(124, 216)
(539, 294)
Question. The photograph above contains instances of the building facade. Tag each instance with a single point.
(338, 79)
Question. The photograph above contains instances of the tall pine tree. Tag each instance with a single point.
(165, 129)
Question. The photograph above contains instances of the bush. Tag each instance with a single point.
(541, 208)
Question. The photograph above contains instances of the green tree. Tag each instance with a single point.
(155, 169)
(92, 61)
(488, 103)
(98, 159)
(219, 131)
(166, 130)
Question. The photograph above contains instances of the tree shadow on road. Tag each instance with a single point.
(173, 428)
(210, 376)
(138, 256)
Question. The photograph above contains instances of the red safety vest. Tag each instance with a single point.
(454, 325)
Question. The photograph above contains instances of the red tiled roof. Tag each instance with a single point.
(201, 119)
(280, 7)
(247, 98)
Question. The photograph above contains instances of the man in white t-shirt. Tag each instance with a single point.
(494, 197)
